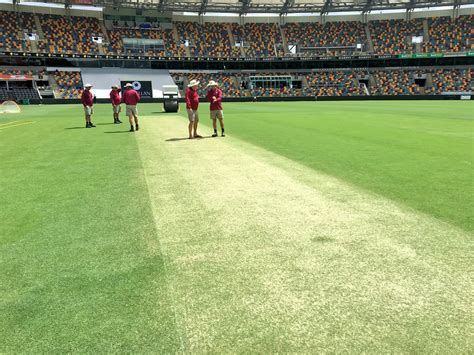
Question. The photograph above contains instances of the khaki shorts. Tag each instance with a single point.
(117, 108)
(217, 114)
(193, 115)
(132, 110)
(88, 110)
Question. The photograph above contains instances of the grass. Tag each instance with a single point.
(323, 227)
(76, 274)
(420, 154)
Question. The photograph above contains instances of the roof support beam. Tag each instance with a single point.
(203, 7)
(161, 5)
(286, 6)
(245, 6)
(367, 7)
(283, 7)
(326, 7)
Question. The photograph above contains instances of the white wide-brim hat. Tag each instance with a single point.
(212, 83)
(129, 85)
(88, 85)
(193, 82)
(115, 87)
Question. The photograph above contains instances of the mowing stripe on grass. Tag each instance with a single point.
(15, 124)
(155, 247)
(265, 254)
(75, 222)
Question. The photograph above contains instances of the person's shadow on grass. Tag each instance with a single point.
(118, 132)
(75, 127)
(185, 139)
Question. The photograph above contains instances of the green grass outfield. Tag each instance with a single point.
(312, 227)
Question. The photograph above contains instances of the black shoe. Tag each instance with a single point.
(118, 121)
(223, 134)
(88, 125)
(91, 125)
(131, 129)
(214, 135)
(137, 128)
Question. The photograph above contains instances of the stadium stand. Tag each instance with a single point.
(69, 35)
(328, 39)
(378, 82)
(69, 84)
(18, 90)
(394, 82)
(259, 39)
(227, 82)
(333, 83)
(207, 40)
(272, 92)
(13, 27)
(448, 35)
(74, 35)
(9, 71)
(452, 80)
(170, 47)
(395, 36)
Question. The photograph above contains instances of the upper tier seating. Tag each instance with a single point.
(73, 35)
(394, 36)
(331, 34)
(171, 49)
(259, 39)
(13, 26)
(447, 35)
(208, 40)
(69, 35)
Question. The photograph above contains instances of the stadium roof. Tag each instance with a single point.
(264, 6)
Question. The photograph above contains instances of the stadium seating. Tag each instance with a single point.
(69, 35)
(452, 80)
(394, 82)
(208, 40)
(226, 82)
(8, 71)
(13, 26)
(377, 82)
(394, 36)
(171, 49)
(272, 92)
(333, 83)
(18, 93)
(259, 39)
(447, 35)
(331, 38)
(73, 35)
(69, 84)
(18, 90)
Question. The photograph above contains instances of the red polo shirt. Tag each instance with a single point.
(192, 99)
(215, 104)
(130, 97)
(115, 97)
(87, 98)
